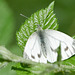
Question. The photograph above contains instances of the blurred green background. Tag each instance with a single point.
(10, 21)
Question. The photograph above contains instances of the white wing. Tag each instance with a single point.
(33, 49)
(51, 45)
(53, 39)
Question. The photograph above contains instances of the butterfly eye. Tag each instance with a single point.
(66, 48)
(32, 56)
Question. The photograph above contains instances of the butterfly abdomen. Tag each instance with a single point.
(43, 46)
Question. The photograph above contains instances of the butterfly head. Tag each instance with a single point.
(39, 28)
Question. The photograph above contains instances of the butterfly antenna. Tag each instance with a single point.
(24, 16)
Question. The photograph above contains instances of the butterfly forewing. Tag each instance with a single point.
(33, 49)
(59, 36)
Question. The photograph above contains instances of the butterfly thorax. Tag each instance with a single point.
(42, 41)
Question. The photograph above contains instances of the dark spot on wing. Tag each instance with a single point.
(66, 48)
(32, 56)
(54, 50)
(69, 50)
(51, 48)
(39, 55)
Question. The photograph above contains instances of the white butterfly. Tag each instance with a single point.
(42, 44)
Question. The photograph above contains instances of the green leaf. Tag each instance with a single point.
(73, 37)
(3, 64)
(35, 68)
(10, 57)
(6, 70)
(44, 17)
(6, 24)
(70, 61)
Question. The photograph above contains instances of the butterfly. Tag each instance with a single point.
(42, 45)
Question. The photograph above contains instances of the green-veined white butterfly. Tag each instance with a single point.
(42, 44)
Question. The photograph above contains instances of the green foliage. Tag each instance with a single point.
(6, 24)
(7, 28)
(30, 67)
(45, 18)
(73, 37)
(3, 64)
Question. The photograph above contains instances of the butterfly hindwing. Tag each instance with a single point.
(51, 46)
(67, 47)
